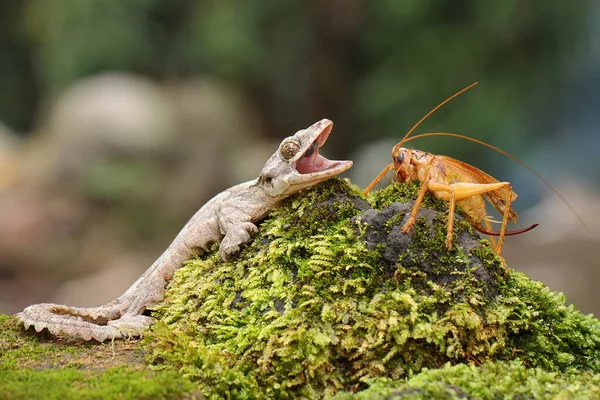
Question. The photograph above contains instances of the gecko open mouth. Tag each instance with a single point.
(312, 162)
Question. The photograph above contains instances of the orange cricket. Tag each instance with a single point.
(458, 183)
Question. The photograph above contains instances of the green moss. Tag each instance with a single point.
(492, 380)
(73, 383)
(314, 305)
(40, 367)
(548, 333)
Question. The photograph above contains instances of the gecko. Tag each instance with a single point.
(230, 217)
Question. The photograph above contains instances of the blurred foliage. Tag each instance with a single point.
(18, 82)
(374, 67)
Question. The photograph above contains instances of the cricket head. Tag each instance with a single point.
(297, 163)
(406, 160)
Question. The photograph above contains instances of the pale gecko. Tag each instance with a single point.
(229, 217)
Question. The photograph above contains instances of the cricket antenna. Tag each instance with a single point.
(435, 109)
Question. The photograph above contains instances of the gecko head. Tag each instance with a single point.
(297, 163)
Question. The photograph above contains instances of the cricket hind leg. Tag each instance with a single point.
(488, 226)
(451, 198)
(504, 222)
(463, 190)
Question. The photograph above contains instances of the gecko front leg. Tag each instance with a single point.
(235, 235)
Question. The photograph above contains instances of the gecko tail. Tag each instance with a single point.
(99, 323)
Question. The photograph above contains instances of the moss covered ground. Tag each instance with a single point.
(331, 299)
(34, 366)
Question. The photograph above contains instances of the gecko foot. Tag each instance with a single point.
(132, 325)
(235, 237)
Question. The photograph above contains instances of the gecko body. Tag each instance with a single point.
(229, 217)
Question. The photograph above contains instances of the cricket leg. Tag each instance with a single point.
(488, 226)
(464, 190)
(440, 187)
(413, 215)
(503, 228)
(378, 178)
(501, 238)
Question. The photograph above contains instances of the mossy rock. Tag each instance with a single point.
(330, 298)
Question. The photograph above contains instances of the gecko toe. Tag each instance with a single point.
(228, 251)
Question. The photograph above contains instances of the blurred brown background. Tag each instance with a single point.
(119, 119)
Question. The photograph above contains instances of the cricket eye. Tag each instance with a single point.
(289, 148)
(400, 158)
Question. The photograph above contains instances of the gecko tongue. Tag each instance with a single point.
(314, 163)
(311, 161)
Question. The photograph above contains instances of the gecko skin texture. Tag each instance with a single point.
(229, 217)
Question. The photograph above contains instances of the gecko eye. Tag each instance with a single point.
(400, 158)
(289, 148)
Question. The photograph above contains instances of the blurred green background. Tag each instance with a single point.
(232, 78)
